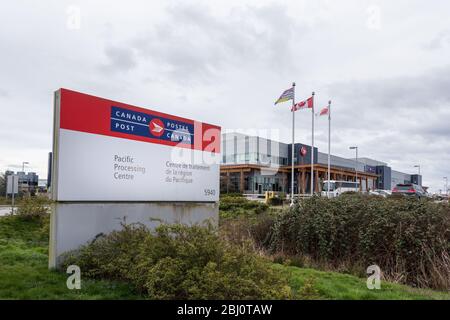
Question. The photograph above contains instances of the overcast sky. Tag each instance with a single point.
(384, 64)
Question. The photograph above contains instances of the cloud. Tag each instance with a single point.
(194, 44)
(439, 41)
(119, 58)
(401, 120)
(407, 100)
(226, 62)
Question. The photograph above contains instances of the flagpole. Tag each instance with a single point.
(312, 148)
(329, 148)
(293, 145)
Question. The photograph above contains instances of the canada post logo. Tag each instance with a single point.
(151, 126)
(156, 127)
(370, 169)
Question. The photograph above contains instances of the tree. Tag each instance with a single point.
(2, 184)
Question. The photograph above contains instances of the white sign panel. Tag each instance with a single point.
(110, 151)
(12, 184)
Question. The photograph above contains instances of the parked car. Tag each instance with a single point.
(409, 190)
(428, 195)
(440, 197)
(380, 193)
(339, 187)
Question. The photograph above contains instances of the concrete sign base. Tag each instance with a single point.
(75, 224)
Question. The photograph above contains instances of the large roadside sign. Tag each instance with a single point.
(106, 150)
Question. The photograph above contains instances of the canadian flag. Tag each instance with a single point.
(324, 112)
(298, 106)
(308, 103)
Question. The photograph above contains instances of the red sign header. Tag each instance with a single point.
(89, 114)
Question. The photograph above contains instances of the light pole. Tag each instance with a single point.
(23, 170)
(356, 163)
(23, 166)
(13, 178)
(446, 185)
(417, 166)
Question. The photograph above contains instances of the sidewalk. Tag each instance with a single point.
(4, 210)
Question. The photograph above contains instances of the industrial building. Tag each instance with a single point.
(28, 182)
(254, 165)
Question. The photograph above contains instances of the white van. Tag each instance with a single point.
(339, 187)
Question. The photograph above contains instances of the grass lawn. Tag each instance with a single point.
(24, 274)
(337, 286)
(24, 270)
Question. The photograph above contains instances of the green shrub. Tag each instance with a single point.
(241, 230)
(409, 239)
(32, 207)
(180, 262)
(233, 206)
(233, 195)
(261, 230)
(4, 201)
(277, 201)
